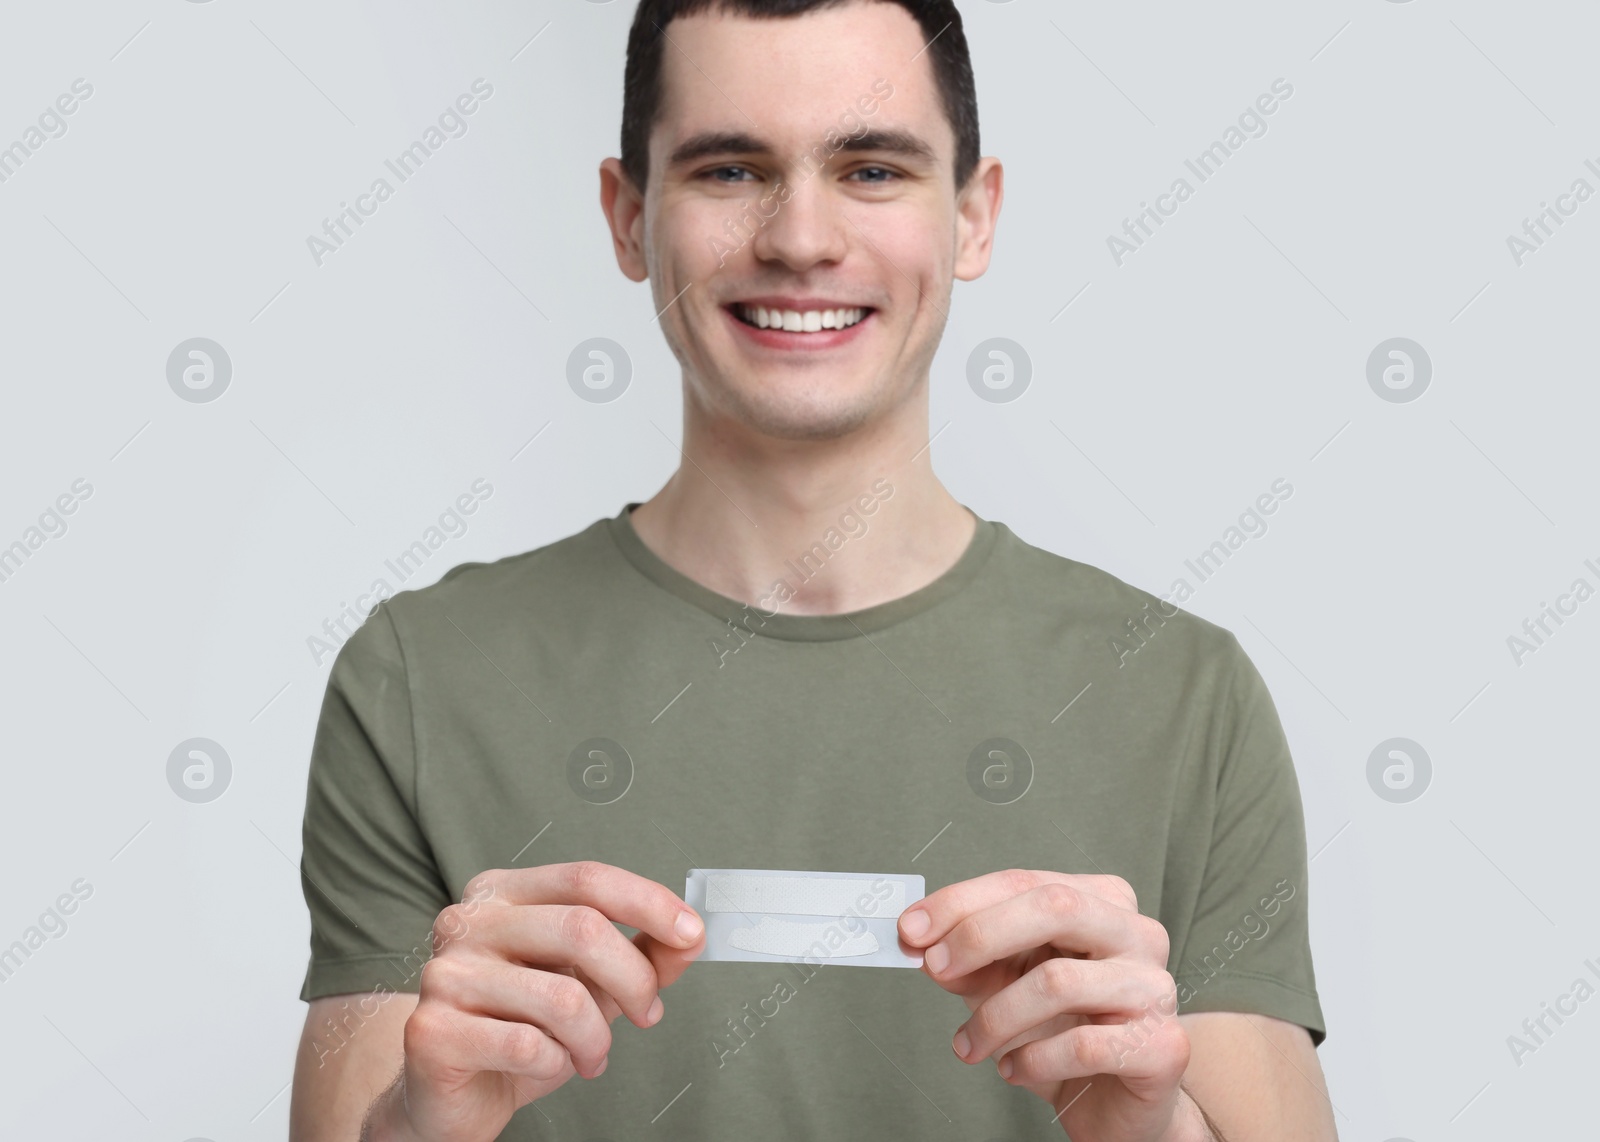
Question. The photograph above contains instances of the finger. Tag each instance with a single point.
(552, 1002)
(573, 936)
(463, 1043)
(1062, 986)
(1148, 1058)
(669, 962)
(623, 896)
(1054, 914)
(953, 903)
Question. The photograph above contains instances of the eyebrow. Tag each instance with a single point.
(709, 143)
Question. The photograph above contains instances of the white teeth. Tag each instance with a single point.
(812, 321)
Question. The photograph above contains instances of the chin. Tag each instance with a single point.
(826, 419)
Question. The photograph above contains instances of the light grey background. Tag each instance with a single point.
(367, 393)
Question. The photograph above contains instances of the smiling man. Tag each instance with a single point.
(802, 653)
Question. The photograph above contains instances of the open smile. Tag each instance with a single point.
(810, 328)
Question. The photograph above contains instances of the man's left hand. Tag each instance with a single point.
(1069, 994)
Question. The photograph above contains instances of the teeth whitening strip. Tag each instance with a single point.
(762, 915)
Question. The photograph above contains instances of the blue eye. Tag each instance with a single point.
(716, 175)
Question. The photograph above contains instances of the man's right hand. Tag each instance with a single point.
(527, 974)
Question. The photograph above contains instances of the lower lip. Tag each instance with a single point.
(786, 340)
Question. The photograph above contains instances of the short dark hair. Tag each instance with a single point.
(641, 86)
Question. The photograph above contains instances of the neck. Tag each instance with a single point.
(848, 522)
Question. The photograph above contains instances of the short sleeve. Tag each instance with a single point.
(1248, 947)
(368, 874)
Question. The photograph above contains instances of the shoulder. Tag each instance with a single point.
(546, 580)
(1118, 622)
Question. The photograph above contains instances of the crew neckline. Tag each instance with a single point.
(803, 628)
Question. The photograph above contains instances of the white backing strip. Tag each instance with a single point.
(803, 895)
(775, 937)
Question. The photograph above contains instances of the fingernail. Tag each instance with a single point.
(914, 922)
(653, 1016)
(1006, 1067)
(961, 1043)
(603, 1063)
(937, 958)
(689, 926)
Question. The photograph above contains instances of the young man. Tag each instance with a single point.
(802, 653)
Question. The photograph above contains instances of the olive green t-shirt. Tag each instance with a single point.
(585, 700)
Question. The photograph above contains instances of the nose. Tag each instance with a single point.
(808, 228)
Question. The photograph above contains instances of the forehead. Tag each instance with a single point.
(789, 80)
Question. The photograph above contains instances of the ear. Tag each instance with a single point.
(623, 204)
(977, 214)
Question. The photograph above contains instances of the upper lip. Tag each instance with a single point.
(798, 304)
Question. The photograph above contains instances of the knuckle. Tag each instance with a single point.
(1016, 881)
(1061, 899)
(566, 997)
(441, 977)
(450, 924)
(1175, 1048)
(1057, 974)
(982, 1025)
(1157, 939)
(1124, 890)
(970, 935)
(524, 1045)
(421, 1031)
(1032, 1059)
(640, 985)
(481, 885)
(581, 926)
(1095, 1053)
(1161, 986)
(583, 875)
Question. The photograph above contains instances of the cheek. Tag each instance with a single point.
(699, 244)
(907, 246)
